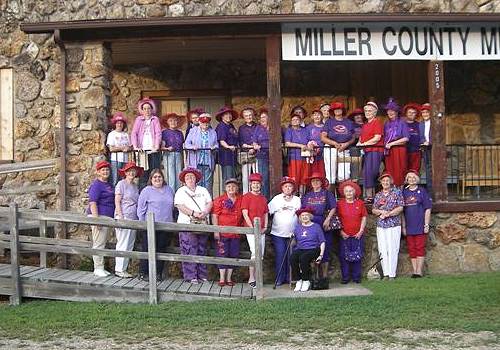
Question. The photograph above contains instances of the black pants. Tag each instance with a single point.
(301, 263)
(162, 240)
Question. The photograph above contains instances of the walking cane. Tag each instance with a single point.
(283, 262)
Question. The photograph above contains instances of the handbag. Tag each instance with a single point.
(192, 219)
(335, 223)
(318, 283)
(353, 252)
(245, 157)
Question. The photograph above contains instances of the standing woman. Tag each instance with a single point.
(411, 111)
(372, 141)
(245, 134)
(352, 214)
(296, 140)
(325, 112)
(358, 118)
(192, 118)
(126, 198)
(425, 133)
(101, 203)
(388, 206)
(260, 142)
(158, 198)
(323, 205)
(416, 221)
(194, 204)
(314, 133)
(172, 143)
(118, 143)
(396, 137)
(228, 141)
(283, 206)
(146, 134)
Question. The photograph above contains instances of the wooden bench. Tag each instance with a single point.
(481, 167)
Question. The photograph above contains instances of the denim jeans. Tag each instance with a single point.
(114, 178)
(263, 169)
(172, 167)
(207, 177)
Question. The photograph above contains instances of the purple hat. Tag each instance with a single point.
(147, 100)
(392, 105)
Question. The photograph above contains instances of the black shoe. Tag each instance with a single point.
(344, 281)
(144, 277)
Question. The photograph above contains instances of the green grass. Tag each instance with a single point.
(467, 303)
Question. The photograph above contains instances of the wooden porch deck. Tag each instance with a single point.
(76, 285)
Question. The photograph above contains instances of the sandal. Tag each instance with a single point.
(230, 283)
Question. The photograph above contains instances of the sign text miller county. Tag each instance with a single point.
(376, 41)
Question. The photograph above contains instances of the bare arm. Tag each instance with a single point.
(215, 221)
(244, 212)
(118, 205)
(372, 141)
(427, 220)
(93, 209)
(326, 140)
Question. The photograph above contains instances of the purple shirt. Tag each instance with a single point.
(103, 194)
(130, 196)
(308, 237)
(415, 141)
(227, 132)
(245, 133)
(299, 135)
(416, 203)
(173, 138)
(314, 133)
(158, 201)
(194, 142)
(321, 202)
(339, 130)
(388, 202)
(395, 130)
(261, 137)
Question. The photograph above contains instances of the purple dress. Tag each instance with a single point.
(226, 132)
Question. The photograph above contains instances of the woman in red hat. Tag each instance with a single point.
(323, 204)
(118, 143)
(352, 214)
(228, 141)
(194, 204)
(246, 133)
(338, 136)
(260, 141)
(171, 146)
(126, 198)
(192, 117)
(358, 118)
(254, 205)
(411, 112)
(296, 139)
(314, 132)
(388, 206)
(101, 203)
(283, 207)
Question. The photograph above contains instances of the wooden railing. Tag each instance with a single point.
(43, 244)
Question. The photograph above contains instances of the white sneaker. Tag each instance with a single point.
(101, 273)
(123, 274)
(305, 286)
(298, 286)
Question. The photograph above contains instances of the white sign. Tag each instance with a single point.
(393, 41)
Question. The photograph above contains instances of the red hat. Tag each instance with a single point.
(102, 164)
(263, 110)
(131, 165)
(319, 176)
(385, 174)
(193, 171)
(337, 105)
(224, 110)
(118, 117)
(426, 107)
(344, 184)
(255, 177)
(147, 100)
(197, 110)
(248, 108)
(288, 180)
(305, 210)
(164, 119)
(205, 118)
(411, 105)
(355, 112)
(292, 112)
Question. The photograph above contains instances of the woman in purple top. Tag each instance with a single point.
(260, 142)
(192, 117)
(388, 206)
(338, 136)
(358, 118)
(157, 198)
(314, 133)
(396, 136)
(228, 141)
(101, 203)
(411, 111)
(296, 139)
(245, 134)
(416, 220)
(310, 247)
(171, 146)
(324, 205)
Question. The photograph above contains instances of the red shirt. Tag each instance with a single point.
(350, 215)
(228, 214)
(256, 206)
(368, 131)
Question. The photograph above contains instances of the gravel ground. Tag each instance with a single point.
(397, 340)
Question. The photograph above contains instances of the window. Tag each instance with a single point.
(6, 115)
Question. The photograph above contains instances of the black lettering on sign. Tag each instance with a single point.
(450, 43)
(302, 45)
(348, 40)
(433, 40)
(463, 37)
(489, 43)
(420, 51)
(315, 41)
(409, 41)
(322, 45)
(334, 45)
(388, 51)
(364, 37)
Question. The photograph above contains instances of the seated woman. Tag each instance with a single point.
(388, 205)
(352, 214)
(416, 220)
(283, 206)
(157, 198)
(310, 247)
(194, 204)
(226, 211)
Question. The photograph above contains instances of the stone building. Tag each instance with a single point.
(65, 67)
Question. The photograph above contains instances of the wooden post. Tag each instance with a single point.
(43, 234)
(273, 55)
(153, 292)
(435, 75)
(259, 273)
(15, 299)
